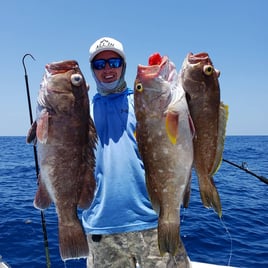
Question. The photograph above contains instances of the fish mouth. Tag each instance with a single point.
(152, 71)
(199, 57)
(61, 66)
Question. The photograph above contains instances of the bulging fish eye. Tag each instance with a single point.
(76, 79)
(139, 87)
(208, 69)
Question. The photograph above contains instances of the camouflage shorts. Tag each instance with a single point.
(131, 250)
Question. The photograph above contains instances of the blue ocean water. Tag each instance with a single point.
(240, 239)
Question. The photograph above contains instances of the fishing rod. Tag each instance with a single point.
(36, 159)
(245, 168)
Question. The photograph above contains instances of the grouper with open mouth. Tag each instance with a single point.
(199, 79)
(65, 136)
(164, 135)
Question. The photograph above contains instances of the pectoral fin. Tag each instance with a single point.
(42, 199)
(191, 124)
(31, 135)
(172, 126)
(42, 128)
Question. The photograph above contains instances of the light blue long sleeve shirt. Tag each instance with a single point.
(121, 202)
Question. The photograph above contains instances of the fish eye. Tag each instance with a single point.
(76, 79)
(208, 69)
(139, 87)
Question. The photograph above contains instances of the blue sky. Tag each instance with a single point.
(233, 32)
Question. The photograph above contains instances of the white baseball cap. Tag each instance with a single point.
(106, 43)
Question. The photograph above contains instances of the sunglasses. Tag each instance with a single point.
(113, 63)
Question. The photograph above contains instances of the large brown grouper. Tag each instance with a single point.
(199, 79)
(164, 136)
(65, 137)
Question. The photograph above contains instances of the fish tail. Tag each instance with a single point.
(72, 241)
(187, 192)
(210, 196)
(168, 237)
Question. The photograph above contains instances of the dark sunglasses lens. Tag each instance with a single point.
(99, 64)
(115, 63)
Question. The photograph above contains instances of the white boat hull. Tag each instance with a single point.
(195, 264)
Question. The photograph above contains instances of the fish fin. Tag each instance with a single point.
(72, 241)
(31, 135)
(191, 124)
(187, 192)
(223, 117)
(172, 126)
(89, 183)
(42, 127)
(92, 133)
(168, 236)
(209, 195)
(88, 190)
(42, 199)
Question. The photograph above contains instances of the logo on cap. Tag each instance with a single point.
(104, 43)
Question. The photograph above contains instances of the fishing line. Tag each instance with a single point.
(36, 161)
(228, 233)
(183, 214)
(231, 240)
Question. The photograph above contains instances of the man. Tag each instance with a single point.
(120, 223)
